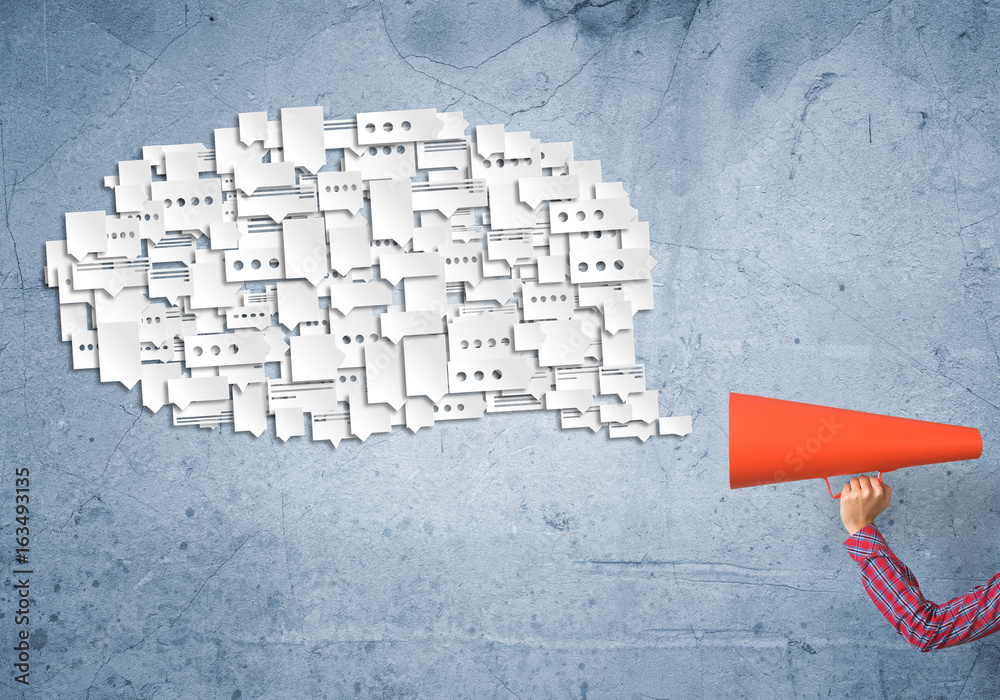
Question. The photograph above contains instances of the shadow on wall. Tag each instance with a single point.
(602, 18)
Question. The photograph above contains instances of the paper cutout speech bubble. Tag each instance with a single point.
(395, 271)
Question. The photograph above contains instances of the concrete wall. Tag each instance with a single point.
(821, 182)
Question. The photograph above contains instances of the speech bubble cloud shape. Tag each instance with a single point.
(391, 270)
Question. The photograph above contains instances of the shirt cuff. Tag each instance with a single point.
(864, 543)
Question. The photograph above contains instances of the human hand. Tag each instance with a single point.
(862, 499)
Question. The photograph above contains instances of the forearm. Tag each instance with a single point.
(896, 593)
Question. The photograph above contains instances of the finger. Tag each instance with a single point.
(854, 483)
(864, 485)
(876, 487)
(848, 490)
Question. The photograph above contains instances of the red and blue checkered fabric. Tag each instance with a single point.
(895, 592)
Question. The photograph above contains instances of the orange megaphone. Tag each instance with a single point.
(772, 441)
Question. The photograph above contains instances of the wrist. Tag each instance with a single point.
(855, 528)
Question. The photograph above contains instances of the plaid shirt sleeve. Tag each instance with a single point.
(895, 592)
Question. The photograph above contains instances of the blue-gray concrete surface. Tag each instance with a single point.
(821, 181)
